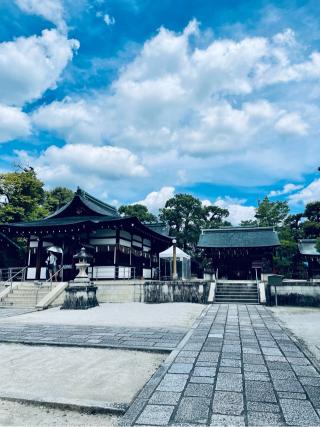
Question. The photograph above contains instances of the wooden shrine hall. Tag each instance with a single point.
(122, 247)
(239, 253)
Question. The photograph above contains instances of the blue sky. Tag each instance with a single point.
(136, 100)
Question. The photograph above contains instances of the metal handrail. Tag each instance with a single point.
(50, 278)
(15, 275)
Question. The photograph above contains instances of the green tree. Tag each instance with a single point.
(286, 260)
(185, 215)
(56, 198)
(249, 223)
(140, 211)
(311, 225)
(312, 211)
(21, 196)
(271, 213)
(318, 244)
(214, 216)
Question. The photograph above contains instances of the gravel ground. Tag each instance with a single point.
(171, 315)
(304, 323)
(19, 414)
(53, 374)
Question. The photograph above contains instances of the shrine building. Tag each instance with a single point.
(239, 253)
(310, 256)
(122, 247)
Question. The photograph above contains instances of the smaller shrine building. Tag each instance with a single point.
(310, 257)
(122, 247)
(239, 253)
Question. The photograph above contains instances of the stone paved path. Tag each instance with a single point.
(235, 367)
(151, 339)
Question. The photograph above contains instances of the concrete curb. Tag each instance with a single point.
(88, 406)
(101, 346)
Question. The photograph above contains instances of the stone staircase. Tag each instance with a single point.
(25, 295)
(238, 292)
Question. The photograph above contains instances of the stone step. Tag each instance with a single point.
(244, 301)
(237, 299)
(238, 293)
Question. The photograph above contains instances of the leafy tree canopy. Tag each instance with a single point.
(311, 227)
(21, 196)
(318, 244)
(56, 198)
(271, 213)
(249, 223)
(140, 211)
(185, 215)
(312, 211)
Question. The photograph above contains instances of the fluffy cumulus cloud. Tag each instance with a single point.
(192, 109)
(76, 122)
(51, 10)
(287, 189)
(13, 123)
(31, 65)
(310, 193)
(291, 123)
(238, 211)
(157, 199)
(203, 107)
(73, 164)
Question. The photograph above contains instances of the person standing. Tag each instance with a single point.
(52, 266)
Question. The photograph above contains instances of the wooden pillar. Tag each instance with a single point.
(38, 262)
(116, 254)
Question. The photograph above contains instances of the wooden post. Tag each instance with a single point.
(115, 256)
(174, 260)
(38, 262)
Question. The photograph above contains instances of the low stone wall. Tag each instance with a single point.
(117, 291)
(176, 291)
(297, 293)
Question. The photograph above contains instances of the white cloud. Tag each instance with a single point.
(198, 111)
(237, 210)
(109, 20)
(310, 193)
(31, 65)
(13, 123)
(236, 207)
(84, 165)
(292, 123)
(76, 122)
(287, 37)
(51, 10)
(157, 199)
(287, 189)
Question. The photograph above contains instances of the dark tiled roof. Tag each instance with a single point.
(95, 205)
(238, 237)
(308, 247)
(5, 239)
(85, 220)
(158, 227)
(51, 222)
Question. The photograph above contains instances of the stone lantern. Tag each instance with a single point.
(81, 292)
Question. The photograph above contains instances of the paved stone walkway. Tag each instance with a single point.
(92, 336)
(235, 367)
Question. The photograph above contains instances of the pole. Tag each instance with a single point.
(174, 267)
